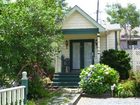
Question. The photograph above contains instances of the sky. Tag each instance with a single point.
(90, 6)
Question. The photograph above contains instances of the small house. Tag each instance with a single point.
(84, 42)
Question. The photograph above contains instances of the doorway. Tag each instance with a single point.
(81, 54)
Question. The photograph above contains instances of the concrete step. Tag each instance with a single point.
(66, 80)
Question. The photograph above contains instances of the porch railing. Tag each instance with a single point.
(15, 95)
(12, 96)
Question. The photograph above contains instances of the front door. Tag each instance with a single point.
(81, 54)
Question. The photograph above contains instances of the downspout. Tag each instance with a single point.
(106, 33)
(116, 41)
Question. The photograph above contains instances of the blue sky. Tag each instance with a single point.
(90, 6)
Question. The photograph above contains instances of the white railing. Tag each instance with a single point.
(12, 96)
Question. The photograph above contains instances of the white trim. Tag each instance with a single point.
(13, 88)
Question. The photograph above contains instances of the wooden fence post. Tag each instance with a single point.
(24, 82)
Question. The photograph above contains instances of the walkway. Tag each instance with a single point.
(109, 101)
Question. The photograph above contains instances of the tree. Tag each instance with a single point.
(30, 35)
(127, 17)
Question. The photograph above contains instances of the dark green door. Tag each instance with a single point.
(81, 53)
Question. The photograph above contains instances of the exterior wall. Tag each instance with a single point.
(103, 47)
(77, 21)
(138, 46)
(65, 52)
(107, 41)
(58, 63)
(103, 40)
(123, 44)
(112, 42)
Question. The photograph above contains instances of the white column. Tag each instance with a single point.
(98, 48)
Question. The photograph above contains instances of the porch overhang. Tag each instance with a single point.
(80, 31)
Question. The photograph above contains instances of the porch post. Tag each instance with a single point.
(98, 48)
(24, 82)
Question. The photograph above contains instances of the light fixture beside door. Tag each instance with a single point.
(66, 43)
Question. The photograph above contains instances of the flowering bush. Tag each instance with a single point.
(98, 78)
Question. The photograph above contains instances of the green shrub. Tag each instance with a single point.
(119, 60)
(36, 87)
(97, 79)
(126, 89)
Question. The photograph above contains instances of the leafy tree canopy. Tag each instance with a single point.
(128, 17)
(30, 34)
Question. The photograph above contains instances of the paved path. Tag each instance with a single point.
(109, 101)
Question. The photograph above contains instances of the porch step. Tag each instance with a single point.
(66, 80)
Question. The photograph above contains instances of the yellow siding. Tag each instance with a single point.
(111, 40)
(76, 21)
(65, 52)
(103, 44)
(58, 64)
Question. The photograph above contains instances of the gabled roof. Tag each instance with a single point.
(86, 16)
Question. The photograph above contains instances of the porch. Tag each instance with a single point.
(75, 55)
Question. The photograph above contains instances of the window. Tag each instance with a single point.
(131, 43)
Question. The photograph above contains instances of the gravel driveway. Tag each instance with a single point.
(109, 101)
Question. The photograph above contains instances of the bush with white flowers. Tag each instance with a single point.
(98, 78)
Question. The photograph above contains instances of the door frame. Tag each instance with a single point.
(81, 52)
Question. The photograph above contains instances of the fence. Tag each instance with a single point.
(135, 58)
(15, 95)
(11, 96)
